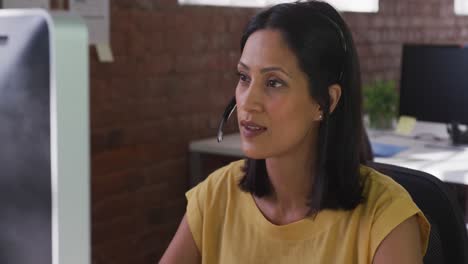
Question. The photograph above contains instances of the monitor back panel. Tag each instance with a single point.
(25, 156)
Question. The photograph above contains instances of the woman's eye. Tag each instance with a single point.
(274, 83)
(243, 77)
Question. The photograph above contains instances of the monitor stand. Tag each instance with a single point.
(457, 135)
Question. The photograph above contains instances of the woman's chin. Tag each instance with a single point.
(254, 153)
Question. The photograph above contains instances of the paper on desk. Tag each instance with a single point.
(405, 125)
(96, 15)
(26, 4)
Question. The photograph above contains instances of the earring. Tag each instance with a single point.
(320, 117)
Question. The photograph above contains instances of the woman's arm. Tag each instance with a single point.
(402, 245)
(182, 249)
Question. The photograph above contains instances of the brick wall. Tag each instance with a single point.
(173, 74)
(174, 71)
(379, 37)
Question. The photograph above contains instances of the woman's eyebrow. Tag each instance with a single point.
(244, 65)
(267, 69)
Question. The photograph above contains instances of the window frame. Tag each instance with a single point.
(460, 7)
(264, 3)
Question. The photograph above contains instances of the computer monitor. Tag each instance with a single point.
(44, 139)
(434, 83)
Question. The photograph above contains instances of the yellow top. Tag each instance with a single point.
(228, 227)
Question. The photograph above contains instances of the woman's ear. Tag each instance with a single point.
(334, 91)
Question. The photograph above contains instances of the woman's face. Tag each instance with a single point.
(276, 114)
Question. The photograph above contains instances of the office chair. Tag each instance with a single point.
(448, 240)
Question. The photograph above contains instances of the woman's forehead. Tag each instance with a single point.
(267, 48)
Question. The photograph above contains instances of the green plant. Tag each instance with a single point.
(380, 103)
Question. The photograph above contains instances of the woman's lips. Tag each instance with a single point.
(251, 129)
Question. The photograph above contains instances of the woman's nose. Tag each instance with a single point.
(252, 99)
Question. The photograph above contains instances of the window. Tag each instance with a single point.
(461, 7)
(355, 6)
(342, 5)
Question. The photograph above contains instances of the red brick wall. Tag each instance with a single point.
(379, 37)
(173, 74)
(174, 71)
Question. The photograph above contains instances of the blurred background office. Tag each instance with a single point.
(172, 74)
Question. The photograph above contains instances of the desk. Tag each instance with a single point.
(449, 164)
(446, 162)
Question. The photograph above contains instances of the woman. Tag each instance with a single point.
(301, 196)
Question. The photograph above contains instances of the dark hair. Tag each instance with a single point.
(322, 42)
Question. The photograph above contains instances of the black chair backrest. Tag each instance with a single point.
(448, 241)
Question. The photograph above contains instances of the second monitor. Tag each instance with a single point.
(434, 84)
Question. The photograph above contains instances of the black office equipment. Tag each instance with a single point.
(448, 240)
(434, 86)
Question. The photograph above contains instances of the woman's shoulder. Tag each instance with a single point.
(377, 185)
(387, 204)
(231, 171)
(220, 183)
(207, 202)
(383, 196)
(225, 176)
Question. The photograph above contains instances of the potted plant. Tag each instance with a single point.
(380, 103)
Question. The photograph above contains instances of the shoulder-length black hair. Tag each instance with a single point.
(322, 42)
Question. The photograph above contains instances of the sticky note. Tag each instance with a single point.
(405, 125)
(104, 53)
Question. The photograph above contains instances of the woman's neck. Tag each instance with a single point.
(291, 178)
(291, 181)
